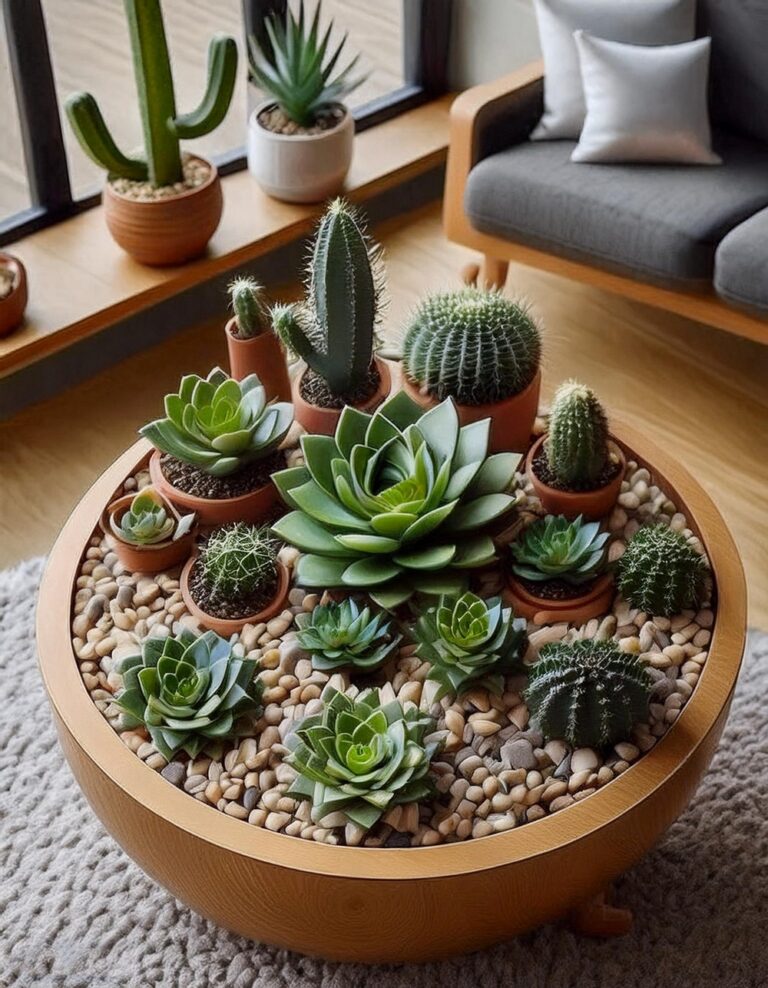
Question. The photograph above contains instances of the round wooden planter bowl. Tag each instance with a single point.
(577, 610)
(155, 558)
(165, 231)
(224, 626)
(261, 355)
(389, 905)
(323, 421)
(13, 305)
(592, 505)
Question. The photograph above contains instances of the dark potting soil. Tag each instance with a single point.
(315, 390)
(191, 480)
(555, 589)
(544, 472)
(229, 608)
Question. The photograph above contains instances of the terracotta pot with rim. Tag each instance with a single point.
(575, 610)
(261, 355)
(15, 302)
(232, 626)
(153, 558)
(323, 421)
(167, 231)
(511, 419)
(250, 507)
(593, 505)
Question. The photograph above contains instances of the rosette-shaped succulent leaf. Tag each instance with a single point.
(470, 642)
(361, 757)
(147, 521)
(218, 424)
(188, 691)
(397, 501)
(344, 634)
(660, 571)
(554, 548)
(587, 692)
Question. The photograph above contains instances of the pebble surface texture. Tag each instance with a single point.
(495, 772)
(75, 912)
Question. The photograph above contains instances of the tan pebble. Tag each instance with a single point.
(448, 826)
(195, 783)
(237, 810)
(464, 829)
(490, 786)
(276, 694)
(519, 716)
(557, 788)
(156, 761)
(534, 795)
(518, 793)
(466, 809)
(620, 766)
(239, 771)
(560, 803)
(475, 793)
(701, 638)
(533, 779)
(691, 678)
(577, 780)
(630, 644)
(213, 792)
(233, 791)
(276, 821)
(584, 758)
(604, 774)
(616, 550)
(482, 828)
(215, 771)
(485, 728)
(410, 692)
(629, 500)
(479, 699)
(671, 715)
(454, 722)
(583, 793)
(257, 817)
(629, 752)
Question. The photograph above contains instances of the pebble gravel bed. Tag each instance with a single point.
(494, 773)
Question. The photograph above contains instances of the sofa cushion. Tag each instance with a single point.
(657, 222)
(741, 263)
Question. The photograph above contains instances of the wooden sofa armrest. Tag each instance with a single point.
(483, 120)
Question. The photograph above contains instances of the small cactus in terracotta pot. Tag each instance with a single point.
(252, 346)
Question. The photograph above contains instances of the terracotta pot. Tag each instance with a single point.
(261, 355)
(323, 421)
(593, 505)
(511, 419)
(13, 305)
(576, 610)
(223, 627)
(249, 507)
(165, 231)
(156, 558)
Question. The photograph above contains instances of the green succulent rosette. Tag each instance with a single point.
(188, 691)
(554, 548)
(344, 634)
(361, 757)
(147, 522)
(470, 642)
(396, 501)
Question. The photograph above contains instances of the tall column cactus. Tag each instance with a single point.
(577, 443)
(334, 330)
(163, 127)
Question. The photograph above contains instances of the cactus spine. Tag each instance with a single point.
(334, 330)
(474, 346)
(660, 572)
(587, 692)
(247, 301)
(577, 443)
(163, 127)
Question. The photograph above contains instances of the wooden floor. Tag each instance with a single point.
(698, 392)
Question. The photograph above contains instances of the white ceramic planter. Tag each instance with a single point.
(300, 167)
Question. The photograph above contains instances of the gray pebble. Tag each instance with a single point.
(519, 754)
(175, 773)
(251, 798)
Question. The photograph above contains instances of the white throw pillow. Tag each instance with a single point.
(645, 104)
(638, 22)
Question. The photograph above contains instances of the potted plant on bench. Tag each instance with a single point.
(252, 346)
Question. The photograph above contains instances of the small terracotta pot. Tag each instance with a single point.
(261, 355)
(323, 421)
(511, 419)
(165, 231)
(156, 558)
(249, 507)
(13, 305)
(224, 627)
(593, 505)
(576, 610)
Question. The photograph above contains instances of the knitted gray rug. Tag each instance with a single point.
(76, 912)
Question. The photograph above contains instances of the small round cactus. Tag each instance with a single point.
(587, 693)
(238, 559)
(247, 301)
(577, 442)
(660, 572)
(474, 346)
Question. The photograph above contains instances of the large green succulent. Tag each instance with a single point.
(397, 501)
(555, 548)
(470, 642)
(147, 521)
(344, 634)
(188, 691)
(218, 424)
(361, 757)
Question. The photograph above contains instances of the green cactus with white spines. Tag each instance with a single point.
(660, 572)
(163, 127)
(577, 441)
(474, 346)
(334, 330)
(246, 297)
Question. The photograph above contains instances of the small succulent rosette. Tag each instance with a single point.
(346, 635)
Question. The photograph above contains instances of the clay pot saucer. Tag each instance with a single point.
(592, 505)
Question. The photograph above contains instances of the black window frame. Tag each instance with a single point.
(426, 42)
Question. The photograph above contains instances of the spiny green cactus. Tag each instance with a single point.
(238, 559)
(660, 572)
(587, 692)
(471, 345)
(163, 126)
(246, 297)
(334, 331)
(577, 443)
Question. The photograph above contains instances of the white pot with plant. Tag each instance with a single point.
(300, 137)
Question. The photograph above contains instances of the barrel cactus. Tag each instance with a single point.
(147, 521)
(246, 297)
(554, 548)
(344, 634)
(397, 501)
(189, 692)
(360, 756)
(577, 441)
(587, 693)
(660, 572)
(238, 559)
(334, 330)
(471, 345)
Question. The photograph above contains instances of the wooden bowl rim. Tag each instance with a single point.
(102, 746)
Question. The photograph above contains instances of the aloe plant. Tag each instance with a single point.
(339, 635)
(396, 501)
(163, 126)
(147, 522)
(554, 548)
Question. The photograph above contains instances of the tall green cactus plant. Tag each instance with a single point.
(163, 126)
(334, 330)
(577, 443)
